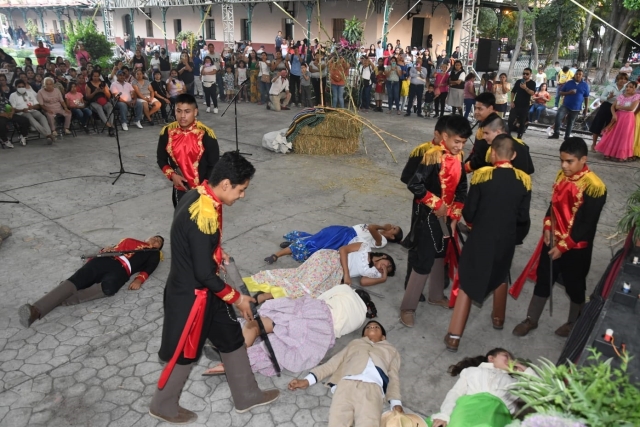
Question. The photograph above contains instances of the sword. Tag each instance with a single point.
(235, 279)
(117, 253)
(552, 243)
(179, 172)
(443, 225)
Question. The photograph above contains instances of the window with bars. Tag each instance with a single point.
(149, 24)
(211, 29)
(338, 28)
(177, 26)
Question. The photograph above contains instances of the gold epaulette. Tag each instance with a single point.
(480, 134)
(519, 141)
(481, 175)
(559, 176)
(592, 185)
(204, 214)
(524, 177)
(487, 157)
(421, 149)
(199, 125)
(433, 155)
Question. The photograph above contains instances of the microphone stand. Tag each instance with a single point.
(116, 121)
(235, 113)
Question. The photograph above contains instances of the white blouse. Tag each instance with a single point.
(486, 378)
(358, 263)
(363, 235)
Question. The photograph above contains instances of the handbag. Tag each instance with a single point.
(102, 101)
(265, 78)
(411, 241)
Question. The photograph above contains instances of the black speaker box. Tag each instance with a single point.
(488, 57)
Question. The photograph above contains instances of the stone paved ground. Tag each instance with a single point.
(95, 364)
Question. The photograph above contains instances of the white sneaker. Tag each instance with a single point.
(125, 126)
(215, 110)
(23, 140)
(208, 109)
(555, 108)
(549, 131)
(8, 144)
(138, 124)
(204, 103)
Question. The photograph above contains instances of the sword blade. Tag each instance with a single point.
(443, 226)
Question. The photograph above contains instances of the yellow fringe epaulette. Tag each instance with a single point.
(524, 177)
(592, 185)
(199, 125)
(421, 149)
(433, 155)
(481, 175)
(559, 176)
(487, 157)
(161, 256)
(204, 214)
(519, 141)
(480, 133)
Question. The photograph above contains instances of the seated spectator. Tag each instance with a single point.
(359, 376)
(484, 383)
(77, 106)
(145, 95)
(98, 95)
(175, 86)
(302, 245)
(27, 105)
(323, 270)
(52, 102)
(5, 88)
(160, 92)
(20, 122)
(540, 99)
(126, 98)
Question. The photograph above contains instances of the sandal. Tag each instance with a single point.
(271, 259)
(285, 245)
(215, 371)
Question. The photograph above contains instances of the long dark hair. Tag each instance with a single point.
(382, 255)
(366, 298)
(470, 362)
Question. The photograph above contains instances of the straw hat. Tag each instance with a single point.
(397, 419)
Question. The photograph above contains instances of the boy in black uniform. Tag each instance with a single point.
(492, 127)
(576, 202)
(99, 277)
(439, 186)
(197, 299)
(497, 204)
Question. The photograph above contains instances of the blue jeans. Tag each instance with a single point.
(535, 110)
(468, 103)
(124, 111)
(337, 95)
(264, 87)
(558, 94)
(393, 94)
(365, 97)
(571, 119)
(82, 114)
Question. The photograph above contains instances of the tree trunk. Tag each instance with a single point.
(534, 43)
(583, 54)
(516, 49)
(621, 52)
(619, 18)
(556, 45)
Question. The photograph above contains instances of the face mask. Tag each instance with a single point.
(393, 63)
(21, 90)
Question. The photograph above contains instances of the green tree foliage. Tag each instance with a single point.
(32, 29)
(95, 43)
(487, 23)
(353, 31)
(189, 36)
(563, 13)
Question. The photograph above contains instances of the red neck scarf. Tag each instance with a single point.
(186, 148)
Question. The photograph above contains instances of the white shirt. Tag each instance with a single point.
(125, 89)
(279, 85)
(540, 78)
(264, 68)
(358, 263)
(154, 63)
(20, 102)
(627, 70)
(369, 375)
(486, 378)
(363, 235)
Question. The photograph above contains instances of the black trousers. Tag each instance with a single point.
(521, 115)
(415, 91)
(210, 95)
(573, 265)
(176, 196)
(107, 271)
(440, 102)
(163, 109)
(429, 246)
(294, 88)
(21, 123)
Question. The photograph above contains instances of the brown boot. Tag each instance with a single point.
(574, 312)
(451, 343)
(565, 330)
(84, 295)
(244, 389)
(39, 309)
(536, 306)
(407, 318)
(499, 306)
(164, 404)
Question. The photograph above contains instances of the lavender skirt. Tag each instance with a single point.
(302, 335)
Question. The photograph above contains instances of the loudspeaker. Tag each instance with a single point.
(488, 58)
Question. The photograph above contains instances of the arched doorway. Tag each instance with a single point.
(126, 25)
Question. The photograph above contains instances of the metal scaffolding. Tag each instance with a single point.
(469, 33)
(228, 34)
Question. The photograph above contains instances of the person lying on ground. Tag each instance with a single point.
(99, 277)
(301, 245)
(325, 269)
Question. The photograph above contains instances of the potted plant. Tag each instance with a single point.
(630, 220)
(596, 394)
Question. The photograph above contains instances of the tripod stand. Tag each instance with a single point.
(235, 113)
(116, 121)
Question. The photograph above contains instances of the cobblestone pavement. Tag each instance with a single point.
(95, 364)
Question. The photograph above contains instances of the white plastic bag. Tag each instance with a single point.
(277, 141)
